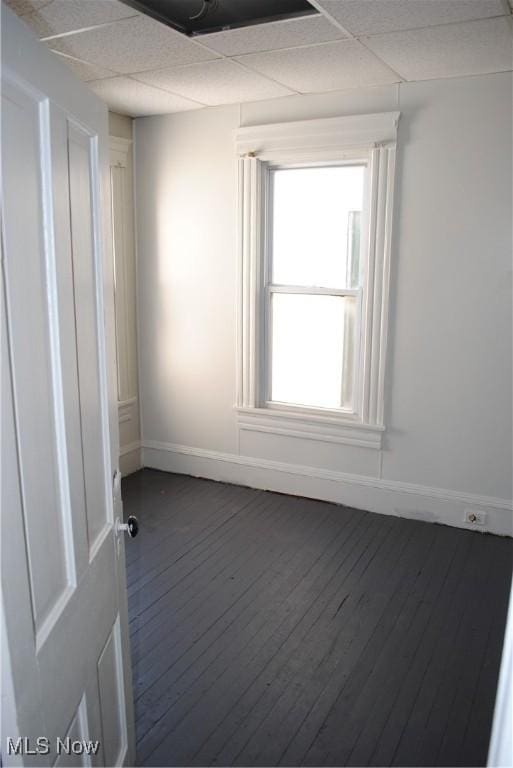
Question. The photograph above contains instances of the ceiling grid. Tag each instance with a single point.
(140, 66)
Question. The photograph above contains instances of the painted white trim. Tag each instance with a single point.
(330, 428)
(126, 409)
(129, 401)
(120, 679)
(120, 144)
(344, 438)
(130, 448)
(501, 744)
(123, 244)
(249, 358)
(391, 497)
(325, 133)
(83, 725)
(130, 458)
(102, 262)
(59, 405)
(371, 140)
(43, 631)
(8, 704)
(119, 150)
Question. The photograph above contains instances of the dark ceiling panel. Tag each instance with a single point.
(197, 17)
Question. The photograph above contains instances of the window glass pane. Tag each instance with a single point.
(313, 350)
(316, 215)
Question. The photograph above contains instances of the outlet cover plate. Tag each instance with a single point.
(475, 516)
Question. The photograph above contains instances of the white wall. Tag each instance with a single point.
(449, 389)
(120, 126)
(122, 186)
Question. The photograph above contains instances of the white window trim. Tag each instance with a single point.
(371, 138)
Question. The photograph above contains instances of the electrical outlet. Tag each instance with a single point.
(475, 516)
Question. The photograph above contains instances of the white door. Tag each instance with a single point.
(63, 579)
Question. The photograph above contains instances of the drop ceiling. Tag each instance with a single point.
(199, 17)
(140, 66)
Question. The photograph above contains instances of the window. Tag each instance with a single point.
(314, 288)
(315, 220)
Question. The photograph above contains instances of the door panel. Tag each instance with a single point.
(81, 163)
(31, 350)
(67, 631)
(78, 731)
(110, 681)
(83, 626)
(68, 333)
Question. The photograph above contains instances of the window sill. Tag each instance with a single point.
(308, 426)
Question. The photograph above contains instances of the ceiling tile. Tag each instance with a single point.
(133, 45)
(273, 36)
(129, 97)
(216, 82)
(61, 16)
(83, 70)
(471, 48)
(21, 7)
(369, 17)
(327, 67)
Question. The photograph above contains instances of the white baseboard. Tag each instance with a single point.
(130, 458)
(387, 497)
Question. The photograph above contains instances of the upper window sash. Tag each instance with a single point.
(359, 160)
(365, 138)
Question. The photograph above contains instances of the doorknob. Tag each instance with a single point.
(131, 526)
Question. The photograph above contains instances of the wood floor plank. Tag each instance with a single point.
(269, 629)
(258, 621)
(202, 583)
(269, 665)
(411, 698)
(469, 669)
(197, 558)
(332, 651)
(245, 575)
(176, 541)
(188, 564)
(261, 648)
(478, 725)
(267, 620)
(212, 657)
(434, 677)
(189, 513)
(328, 716)
(370, 716)
(269, 509)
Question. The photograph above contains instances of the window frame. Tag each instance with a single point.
(269, 288)
(355, 140)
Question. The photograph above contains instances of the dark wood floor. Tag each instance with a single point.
(274, 630)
